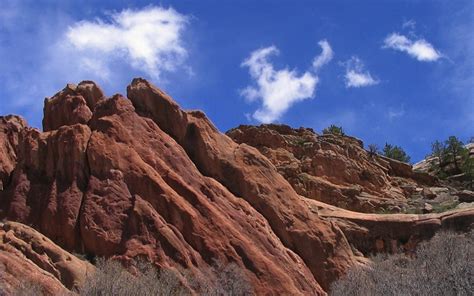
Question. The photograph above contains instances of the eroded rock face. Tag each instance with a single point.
(394, 233)
(121, 186)
(335, 169)
(49, 181)
(10, 128)
(74, 104)
(28, 257)
(138, 176)
(250, 175)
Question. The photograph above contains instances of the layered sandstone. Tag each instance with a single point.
(130, 181)
(29, 258)
(138, 176)
(338, 170)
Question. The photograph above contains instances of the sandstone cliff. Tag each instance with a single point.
(139, 176)
(338, 170)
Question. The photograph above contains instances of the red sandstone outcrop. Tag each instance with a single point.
(393, 233)
(74, 104)
(138, 176)
(10, 127)
(335, 169)
(123, 186)
(29, 258)
(248, 174)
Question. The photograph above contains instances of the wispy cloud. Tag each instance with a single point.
(278, 90)
(409, 24)
(325, 57)
(420, 49)
(395, 113)
(149, 39)
(356, 75)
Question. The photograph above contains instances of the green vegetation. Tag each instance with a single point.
(395, 152)
(454, 152)
(443, 207)
(334, 130)
(442, 266)
(453, 159)
(468, 169)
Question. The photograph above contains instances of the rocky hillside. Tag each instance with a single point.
(137, 176)
(337, 170)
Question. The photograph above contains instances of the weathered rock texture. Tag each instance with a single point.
(336, 169)
(29, 258)
(138, 176)
(74, 104)
(393, 233)
(10, 127)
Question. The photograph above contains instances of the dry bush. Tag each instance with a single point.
(443, 266)
(29, 288)
(111, 278)
(230, 280)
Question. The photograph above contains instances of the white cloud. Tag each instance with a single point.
(395, 113)
(278, 90)
(356, 75)
(325, 57)
(57, 61)
(410, 24)
(419, 49)
(149, 40)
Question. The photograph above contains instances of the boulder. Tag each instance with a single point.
(427, 208)
(466, 196)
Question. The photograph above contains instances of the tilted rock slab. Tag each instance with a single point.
(141, 177)
(138, 176)
(28, 257)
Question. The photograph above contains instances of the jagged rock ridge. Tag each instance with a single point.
(138, 176)
(337, 170)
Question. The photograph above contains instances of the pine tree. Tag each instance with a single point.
(395, 152)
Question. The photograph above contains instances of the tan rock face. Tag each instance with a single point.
(138, 176)
(334, 169)
(26, 256)
(394, 233)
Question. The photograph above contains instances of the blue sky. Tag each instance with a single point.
(387, 71)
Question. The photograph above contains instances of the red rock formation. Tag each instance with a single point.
(10, 127)
(121, 186)
(47, 184)
(334, 169)
(134, 177)
(71, 105)
(394, 233)
(250, 175)
(28, 257)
